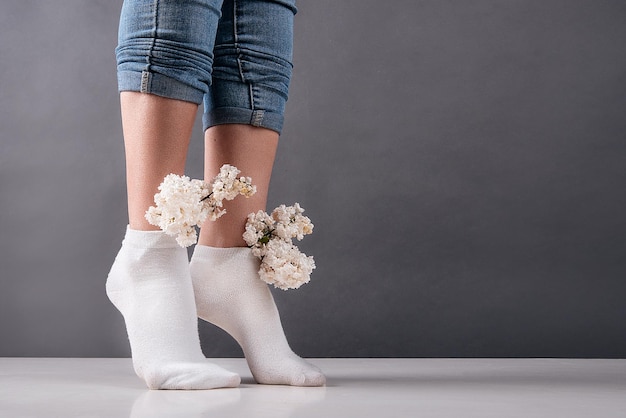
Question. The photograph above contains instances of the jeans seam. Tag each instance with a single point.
(145, 82)
(238, 52)
(251, 94)
(145, 75)
(257, 117)
(236, 41)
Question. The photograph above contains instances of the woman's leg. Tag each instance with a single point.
(149, 281)
(156, 137)
(244, 118)
(251, 149)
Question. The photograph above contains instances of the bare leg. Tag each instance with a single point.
(149, 281)
(251, 150)
(228, 290)
(156, 137)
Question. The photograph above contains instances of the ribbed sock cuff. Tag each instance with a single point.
(215, 254)
(148, 239)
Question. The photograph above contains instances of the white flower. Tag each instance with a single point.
(259, 227)
(290, 223)
(269, 236)
(179, 207)
(182, 203)
(226, 186)
(284, 266)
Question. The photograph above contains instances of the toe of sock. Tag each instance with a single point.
(191, 376)
(233, 381)
(304, 379)
(308, 378)
(314, 378)
(288, 369)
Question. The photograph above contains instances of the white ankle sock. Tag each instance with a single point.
(230, 294)
(150, 285)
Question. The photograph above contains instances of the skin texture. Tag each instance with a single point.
(157, 132)
(251, 150)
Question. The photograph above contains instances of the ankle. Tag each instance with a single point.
(221, 241)
(148, 239)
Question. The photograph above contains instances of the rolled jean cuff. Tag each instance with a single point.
(260, 118)
(158, 84)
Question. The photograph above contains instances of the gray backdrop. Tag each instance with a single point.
(463, 162)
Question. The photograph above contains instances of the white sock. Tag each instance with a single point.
(150, 285)
(230, 295)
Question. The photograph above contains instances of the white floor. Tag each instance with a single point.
(38, 387)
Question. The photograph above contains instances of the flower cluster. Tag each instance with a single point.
(227, 186)
(270, 237)
(183, 203)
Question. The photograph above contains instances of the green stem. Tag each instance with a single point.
(267, 236)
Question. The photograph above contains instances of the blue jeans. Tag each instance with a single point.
(233, 55)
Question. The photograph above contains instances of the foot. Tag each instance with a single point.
(230, 295)
(150, 285)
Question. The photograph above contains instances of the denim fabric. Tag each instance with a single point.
(232, 55)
